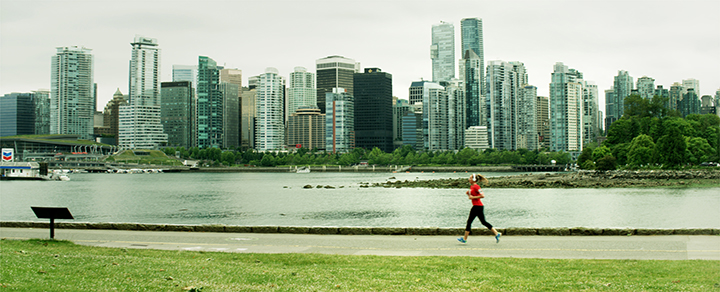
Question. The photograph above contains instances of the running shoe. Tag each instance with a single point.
(462, 240)
(497, 237)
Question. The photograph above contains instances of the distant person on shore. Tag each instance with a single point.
(475, 194)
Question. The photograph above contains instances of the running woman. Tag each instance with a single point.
(475, 194)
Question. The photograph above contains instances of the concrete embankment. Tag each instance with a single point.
(557, 231)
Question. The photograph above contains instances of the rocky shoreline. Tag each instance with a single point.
(580, 179)
(328, 230)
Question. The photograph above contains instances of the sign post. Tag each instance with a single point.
(52, 213)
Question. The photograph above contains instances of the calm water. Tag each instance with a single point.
(279, 199)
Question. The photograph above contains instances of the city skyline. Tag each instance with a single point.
(668, 41)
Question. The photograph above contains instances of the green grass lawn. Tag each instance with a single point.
(45, 265)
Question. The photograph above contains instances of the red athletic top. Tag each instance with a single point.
(475, 191)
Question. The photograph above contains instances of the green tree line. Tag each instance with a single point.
(649, 135)
(405, 155)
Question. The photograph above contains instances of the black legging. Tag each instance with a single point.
(477, 211)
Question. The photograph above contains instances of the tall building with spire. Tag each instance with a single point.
(566, 97)
(139, 121)
(334, 72)
(72, 92)
(111, 113)
(442, 52)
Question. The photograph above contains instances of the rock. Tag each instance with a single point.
(307, 187)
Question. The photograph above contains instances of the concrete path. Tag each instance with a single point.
(673, 247)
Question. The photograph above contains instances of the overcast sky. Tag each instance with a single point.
(666, 40)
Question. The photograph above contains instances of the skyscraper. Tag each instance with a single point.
(615, 101)
(269, 125)
(543, 122)
(566, 94)
(334, 72)
(473, 76)
(72, 96)
(435, 117)
(646, 87)
(231, 86)
(139, 121)
(591, 112)
(442, 52)
(502, 97)
(302, 91)
(339, 121)
(17, 114)
(473, 70)
(527, 127)
(373, 109)
(178, 113)
(456, 107)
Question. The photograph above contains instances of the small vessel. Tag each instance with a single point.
(21, 171)
(303, 170)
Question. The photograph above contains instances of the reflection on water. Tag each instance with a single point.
(280, 199)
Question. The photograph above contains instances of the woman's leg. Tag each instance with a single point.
(485, 223)
(473, 213)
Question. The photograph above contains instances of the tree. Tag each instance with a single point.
(699, 150)
(641, 151)
(671, 149)
(584, 157)
(606, 163)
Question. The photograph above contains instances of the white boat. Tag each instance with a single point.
(28, 171)
(303, 170)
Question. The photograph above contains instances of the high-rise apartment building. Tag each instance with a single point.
(416, 92)
(373, 110)
(690, 103)
(591, 112)
(527, 127)
(302, 91)
(646, 87)
(691, 83)
(675, 95)
(270, 119)
(566, 96)
(339, 121)
(435, 117)
(615, 101)
(442, 52)
(178, 113)
(334, 72)
(139, 121)
(502, 86)
(456, 107)
(706, 105)
(72, 92)
(306, 128)
(543, 122)
(218, 105)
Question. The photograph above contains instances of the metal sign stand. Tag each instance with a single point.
(52, 213)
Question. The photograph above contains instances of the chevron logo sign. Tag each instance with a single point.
(7, 154)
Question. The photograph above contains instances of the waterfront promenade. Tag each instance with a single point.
(657, 247)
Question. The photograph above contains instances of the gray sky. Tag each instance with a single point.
(666, 40)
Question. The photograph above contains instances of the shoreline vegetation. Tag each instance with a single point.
(580, 179)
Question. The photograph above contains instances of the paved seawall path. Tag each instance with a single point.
(658, 247)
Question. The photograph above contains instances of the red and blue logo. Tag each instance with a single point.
(7, 154)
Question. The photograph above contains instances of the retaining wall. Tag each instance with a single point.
(560, 231)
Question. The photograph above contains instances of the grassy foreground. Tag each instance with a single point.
(44, 265)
